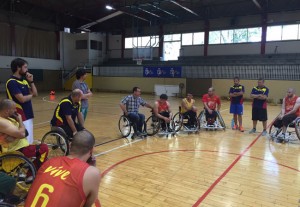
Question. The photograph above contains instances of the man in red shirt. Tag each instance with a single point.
(68, 180)
(212, 104)
(162, 111)
(290, 110)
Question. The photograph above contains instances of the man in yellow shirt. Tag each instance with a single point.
(189, 110)
(13, 133)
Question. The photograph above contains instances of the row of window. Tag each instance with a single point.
(274, 33)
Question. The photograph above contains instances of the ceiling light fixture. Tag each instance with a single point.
(108, 7)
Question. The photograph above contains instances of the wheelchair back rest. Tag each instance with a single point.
(59, 130)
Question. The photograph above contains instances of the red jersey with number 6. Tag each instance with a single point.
(59, 183)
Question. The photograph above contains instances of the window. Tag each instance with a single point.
(187, 39)
(290, 32)
(214, 37)
(274, 33)
(81, 44)
(227, 36)
(172, 37)
(240, 35)
(254, 34)
(96, 45)
(198, 38)
(145, 41)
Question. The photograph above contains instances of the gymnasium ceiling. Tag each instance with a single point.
(92, 14)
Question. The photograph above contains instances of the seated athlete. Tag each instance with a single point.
(189, 110)
(130, 106)
(212, 104)
(162, 110)
(290, 110)
(68, 181)
(13, 133)
(66, 113)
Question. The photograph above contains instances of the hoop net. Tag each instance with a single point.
(139, 61)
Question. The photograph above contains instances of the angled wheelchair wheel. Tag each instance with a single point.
(57, 143)
(21, 169)
(221, 121)
(152, 125)
(124, 126)
(3, 204)
(202, 120)
(274, 132)
(297, 128)
(177, 122)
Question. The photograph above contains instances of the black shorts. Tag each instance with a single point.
(285, 121)
(259, 114)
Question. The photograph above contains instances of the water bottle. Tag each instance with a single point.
(232, 123)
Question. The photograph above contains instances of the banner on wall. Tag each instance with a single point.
(162, 72)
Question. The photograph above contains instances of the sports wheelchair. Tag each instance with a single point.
(154, 125)
(126, 127)
(181, 121)
(292, 132)
(21, 168)
(208, 124)
(57, 141)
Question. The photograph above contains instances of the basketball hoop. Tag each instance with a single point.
(139, 61)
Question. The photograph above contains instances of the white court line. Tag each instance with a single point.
(44, 99)
(103, 153)
(224, 110)
(45, 122)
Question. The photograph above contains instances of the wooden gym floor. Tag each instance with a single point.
(212, 168)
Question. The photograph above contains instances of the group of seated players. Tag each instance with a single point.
(131, 103)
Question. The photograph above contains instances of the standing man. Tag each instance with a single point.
(67, 180)
(86, 92)
(21, 89)
(236, 93)
(212, 104)
(130, 106)
(66, 113)
(259, 105)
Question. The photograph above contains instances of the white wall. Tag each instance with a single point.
(234, 49)
(283, 47)
(193, 50)
(96, 56)
(33, 63)
(71, 56)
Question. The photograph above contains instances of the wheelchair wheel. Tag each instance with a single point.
(3, 204)
(297, 128)
(124, 126)
(177, 122)
(221, 121)
(152, 125)
(274, 132)
(202, 120)
(21, 169)
(57, 143)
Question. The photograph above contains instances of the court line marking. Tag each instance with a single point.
(186, 150)
(199, 201)
(119, 147)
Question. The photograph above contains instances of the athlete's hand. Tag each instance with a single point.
(29, 77)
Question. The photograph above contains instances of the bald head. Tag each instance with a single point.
(6, 104)
(291, 92)
(76, 93)
(82, 143)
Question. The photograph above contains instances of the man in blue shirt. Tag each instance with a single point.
(259, 94)
(66, 113)
(236, 93)
(130, 106)
(21, 89)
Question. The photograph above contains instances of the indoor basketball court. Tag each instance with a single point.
(211, 168)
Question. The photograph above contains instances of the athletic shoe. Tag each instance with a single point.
(235, 127)
(264, 133)
(252, 131)
(242, 129)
